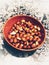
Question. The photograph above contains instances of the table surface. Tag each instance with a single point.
(36, 8)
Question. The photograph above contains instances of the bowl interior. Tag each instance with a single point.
(9, 23)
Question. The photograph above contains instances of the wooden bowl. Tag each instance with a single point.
(12, 20)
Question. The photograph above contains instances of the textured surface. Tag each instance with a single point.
(8, 55)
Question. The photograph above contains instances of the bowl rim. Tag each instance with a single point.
(19, 48)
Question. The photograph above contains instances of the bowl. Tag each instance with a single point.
(12, 20)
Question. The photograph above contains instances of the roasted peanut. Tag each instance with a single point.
(9, 36)
(17, 45)
(21, 45)
(11, 40)
(25, 35)
(15, 40)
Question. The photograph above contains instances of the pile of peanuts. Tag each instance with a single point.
(24, 35)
